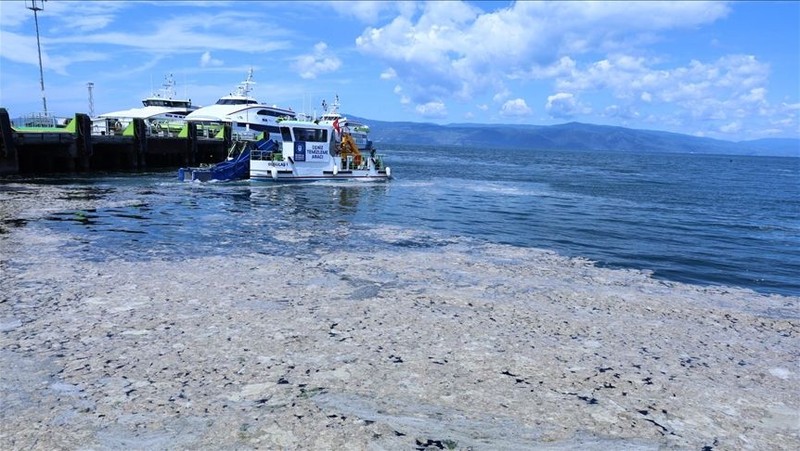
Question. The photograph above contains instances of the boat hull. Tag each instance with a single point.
(290, 176)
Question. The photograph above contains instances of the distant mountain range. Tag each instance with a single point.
(570, 136)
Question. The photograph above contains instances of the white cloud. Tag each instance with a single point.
(365, 11)
(207, 61)
(455, 48)
(600, 52)
(733, 127)
(565, 105)
(501, 96)
(68, 27)
(22, 49)
(388, 74)
(563, 67)
(515, 108)
(319, 62)
(404, 99)
(731, 86)
(625, 113)
(432, 110)
(756, 95)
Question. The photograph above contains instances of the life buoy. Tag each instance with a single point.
(117, 126)
(158, 128)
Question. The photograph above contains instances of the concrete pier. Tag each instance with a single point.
(75, 149)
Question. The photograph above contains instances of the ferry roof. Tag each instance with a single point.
(143, 112)
(219, 112)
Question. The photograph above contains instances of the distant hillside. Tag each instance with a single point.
(570, 136)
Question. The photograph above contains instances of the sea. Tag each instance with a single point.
(694, 218)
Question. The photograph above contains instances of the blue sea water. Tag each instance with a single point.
(705, 219)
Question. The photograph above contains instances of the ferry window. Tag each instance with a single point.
(286, 134)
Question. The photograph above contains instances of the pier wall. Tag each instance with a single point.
(76, 150)
(9, 163)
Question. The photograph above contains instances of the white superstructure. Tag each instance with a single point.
(248, 117)
(160, 110)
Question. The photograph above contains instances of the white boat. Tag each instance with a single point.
(311, 151)
(248, 117)
(161, 111)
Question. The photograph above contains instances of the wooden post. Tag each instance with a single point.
(140, 142)
(83, 141)
(192, 143)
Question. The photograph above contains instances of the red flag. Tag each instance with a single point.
(336, 126)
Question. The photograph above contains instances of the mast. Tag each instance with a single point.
(36, 8)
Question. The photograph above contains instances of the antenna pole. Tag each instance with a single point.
(90, 85)
(36, 8)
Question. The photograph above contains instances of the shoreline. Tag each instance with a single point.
(488, 347)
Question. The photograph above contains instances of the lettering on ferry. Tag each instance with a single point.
(317, 152)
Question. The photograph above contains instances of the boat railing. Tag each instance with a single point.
(266, 155)
(166, 129)
(40, 120)
(378, 160)
(246, 135)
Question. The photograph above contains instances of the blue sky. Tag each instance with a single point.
(717, 69)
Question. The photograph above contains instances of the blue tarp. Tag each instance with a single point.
(235, 168)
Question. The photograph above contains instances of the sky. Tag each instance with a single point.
(725, 70)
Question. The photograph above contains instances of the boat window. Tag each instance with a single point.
(286, 134)
(235, 102)
(311, 134)
(273, 113)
